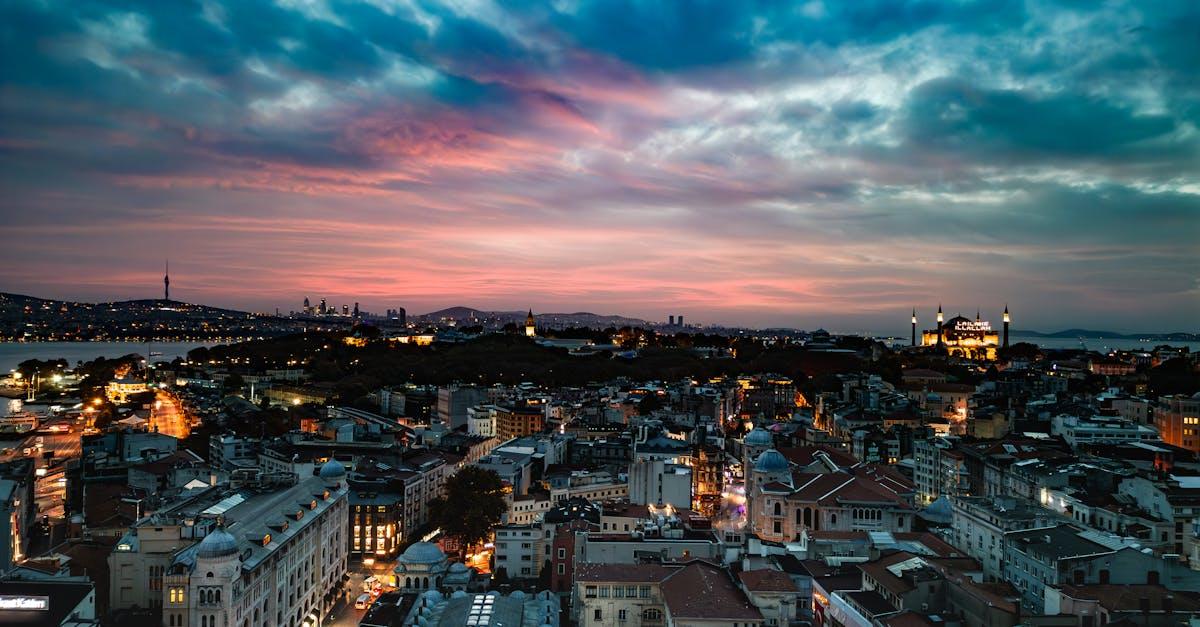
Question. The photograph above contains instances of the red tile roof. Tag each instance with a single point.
(703, 591)
(623, 573)
(767, 580)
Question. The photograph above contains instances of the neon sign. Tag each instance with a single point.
(968, 326)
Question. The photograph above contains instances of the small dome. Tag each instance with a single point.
(433, 596)
(759, 437)
(458, 567)
(940, 507)
(770, 461)
(517, 595)
(219, 543)
(332, 470)
(423, 553)
(458, 594)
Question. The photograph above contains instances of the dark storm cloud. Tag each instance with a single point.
(800, 154)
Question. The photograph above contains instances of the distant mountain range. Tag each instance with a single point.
(1112, 335)
(581, 318)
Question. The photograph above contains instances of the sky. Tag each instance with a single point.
(796, 164)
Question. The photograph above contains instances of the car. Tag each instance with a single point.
(362, 601)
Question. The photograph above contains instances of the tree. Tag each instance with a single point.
(234, 382)
(472, 505)
(648, 404)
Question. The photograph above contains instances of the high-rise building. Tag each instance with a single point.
(323, 308)
(402, 315)
(345, 310)
(671, 320)
(679, 319)
(356, 311)
(307, 306)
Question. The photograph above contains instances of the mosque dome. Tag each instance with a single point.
(458, 567)
(770, 461)
(759, 437)
(332, 470)
(423, 553)
(219, 543)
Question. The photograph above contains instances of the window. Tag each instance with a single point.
(631, 591)
(620, 614)
(597, 615)
(603, 592)
(652, 615)
(644, 592)
(562, 553)
(562, 569)
(618, 592)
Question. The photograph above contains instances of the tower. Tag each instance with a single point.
(671, 320)
(356, 311)
(679, 319)
(940, 319)
(914, 327)
(324, 308)
(167, 281)
(530, 325)
(307, 306)
(1006, 321)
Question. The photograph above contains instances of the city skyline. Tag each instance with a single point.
(809, 165)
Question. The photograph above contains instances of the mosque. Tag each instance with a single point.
(963, 337)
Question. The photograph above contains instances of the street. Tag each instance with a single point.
(167, 416)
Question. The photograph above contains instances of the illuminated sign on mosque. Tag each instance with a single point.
(972, 326)
(16, 602)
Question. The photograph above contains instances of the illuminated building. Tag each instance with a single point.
(914, 327)
(119, 390)
(1178, 421)
(514, 422)
(963, 337)
(530, 325)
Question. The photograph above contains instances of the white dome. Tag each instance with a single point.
(423, 553)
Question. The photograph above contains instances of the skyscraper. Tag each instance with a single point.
(671, 320)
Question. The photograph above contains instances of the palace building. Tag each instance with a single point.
(963, 337)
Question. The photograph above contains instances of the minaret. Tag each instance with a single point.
(914, 327)
(1006, 321)
(167, 281)
(530, 325)
(939, 327)
(978, 317)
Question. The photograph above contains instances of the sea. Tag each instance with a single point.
(13, 353)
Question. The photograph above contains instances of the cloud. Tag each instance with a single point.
(757, 163)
